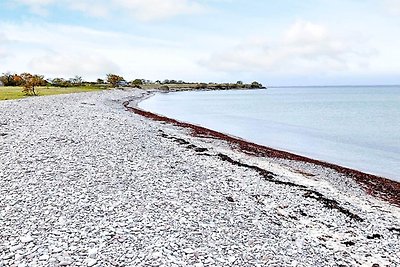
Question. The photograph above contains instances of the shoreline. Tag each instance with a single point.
(374, 185)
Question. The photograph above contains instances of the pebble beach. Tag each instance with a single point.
(86, 182)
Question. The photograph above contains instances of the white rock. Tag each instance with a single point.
(282, 212)
(156, 255)
(92, 252)
(15, 248)
(44, 257)
(55, 249)
(8, 256)
(26, 239)
(91, 262)
(188, 209)
(188, 250)
(65, 262)
(18, 257)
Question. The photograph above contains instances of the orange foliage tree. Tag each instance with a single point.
(29, 82)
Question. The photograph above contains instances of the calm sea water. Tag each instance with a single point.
(356, 127)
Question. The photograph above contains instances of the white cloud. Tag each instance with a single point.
(90, 53)
(144, 10)
(304, 48)
(93, 8)
(3, 38)
(68, 65)
(3, 53)
(36, 2)
(73, 50)
(159, 9)
(33, 3)
(305, 33)
(36, 6)
(393, 6)
(3, 42)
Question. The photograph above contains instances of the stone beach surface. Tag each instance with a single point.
(84, 182)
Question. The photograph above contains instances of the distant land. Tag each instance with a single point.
(15, 86)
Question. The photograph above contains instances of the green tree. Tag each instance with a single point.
(137, 82)
(60, 82)
(256, 85)
(114, 79)
(7, 79)
(77, 80)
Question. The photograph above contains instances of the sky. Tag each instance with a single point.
(285, 42)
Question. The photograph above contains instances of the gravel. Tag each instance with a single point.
(83, 182)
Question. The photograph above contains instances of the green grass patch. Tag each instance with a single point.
(8, 93)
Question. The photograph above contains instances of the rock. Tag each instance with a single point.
(18, 257)
(55, 249)
(26, 239)
(188, 250)
(8, 256)
(349, 243)
(91, 262)
(44, 257)
(65, 262)
(188, 209)
(374, 236)
(282, 212)
(230, 199)
(17, 247)
(155, 255)
(92, 252)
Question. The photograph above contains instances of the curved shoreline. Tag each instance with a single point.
(96, 183)
(377, 186)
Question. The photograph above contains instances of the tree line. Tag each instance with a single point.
(29, 82)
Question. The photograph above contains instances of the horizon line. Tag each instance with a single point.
(342, 85)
